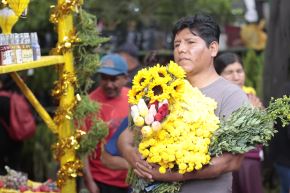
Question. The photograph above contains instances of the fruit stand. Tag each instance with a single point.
(63, 18)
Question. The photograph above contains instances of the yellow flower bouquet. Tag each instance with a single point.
(166, 109)
(176, 127)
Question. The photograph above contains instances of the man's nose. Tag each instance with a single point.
(109, 83)
(181, 48)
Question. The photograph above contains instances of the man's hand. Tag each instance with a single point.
(92, 187)
(151, 172)
(219, 165)
(255, 101)
(88, 179)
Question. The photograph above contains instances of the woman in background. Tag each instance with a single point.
(248, 179)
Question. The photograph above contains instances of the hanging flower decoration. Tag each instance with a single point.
(64, 9)
(68, 143)
(65, 112)
(61, 86)
(66, 44)
(71, 169)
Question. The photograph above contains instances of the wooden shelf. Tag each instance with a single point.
(42, 62)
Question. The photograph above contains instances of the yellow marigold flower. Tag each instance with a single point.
(152, 141)
(181, 171)
(198, 166)
(182, 166)
(190, 168)
(176, 70)
(170, 165)
(165, 156)
(144, 152)
(179, 154)
(156, 159)
(143, 145)
(249, 90)
(171, 157)
(162, 170)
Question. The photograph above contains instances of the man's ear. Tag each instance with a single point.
(126, 79)
(214, 48)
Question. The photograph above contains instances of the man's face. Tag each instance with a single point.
(192, 53)
(112, 85)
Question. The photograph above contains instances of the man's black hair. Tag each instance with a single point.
(201, 25)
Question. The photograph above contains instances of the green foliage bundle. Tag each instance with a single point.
(248, 126)
(86, 57)
(86, 64)
(98, 131)
(162, 13)
(87, 108)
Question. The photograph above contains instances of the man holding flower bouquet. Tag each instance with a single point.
(195, 47)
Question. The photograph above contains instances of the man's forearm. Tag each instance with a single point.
(125, 146)
(219, 165)
(114, 162)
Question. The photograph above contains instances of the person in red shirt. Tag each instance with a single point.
(112, 97)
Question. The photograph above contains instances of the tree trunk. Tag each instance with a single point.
(277, 58)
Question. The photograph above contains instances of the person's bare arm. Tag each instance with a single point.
(88, 179)
(130, 153)
(255, 101)
(125, 144)
(114, 162)
(227, 162)
(219, 165)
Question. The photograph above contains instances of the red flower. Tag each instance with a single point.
(162, 112)
(1, 184)
(158, 117)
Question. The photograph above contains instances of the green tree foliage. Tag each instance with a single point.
(253, 65)
(162, 13)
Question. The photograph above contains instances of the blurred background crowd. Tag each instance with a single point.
(256, 30)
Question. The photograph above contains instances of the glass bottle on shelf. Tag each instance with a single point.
(5, 51)
(11, 44)
(35, 46)
(27, 54)
(18, 50)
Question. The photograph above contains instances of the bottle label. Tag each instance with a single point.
(6, 55)
(18, 56)
(27, 55)
(36, 53)
(7, 59)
